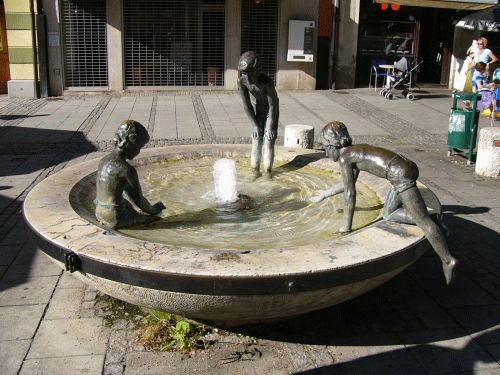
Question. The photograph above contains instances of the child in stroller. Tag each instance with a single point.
(402, 79)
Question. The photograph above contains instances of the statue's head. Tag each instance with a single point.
(130, 137)
(335, 136)
(248, 62)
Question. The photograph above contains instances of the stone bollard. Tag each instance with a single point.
(300, 136)
(488, 152)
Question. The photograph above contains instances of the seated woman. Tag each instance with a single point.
(480, 84)
(480, 79)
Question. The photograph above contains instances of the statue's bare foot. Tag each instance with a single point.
(316, 198)
(345, 229)
(256, 173)
(449, 270)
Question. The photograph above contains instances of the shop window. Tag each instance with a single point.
(174, 42)
(259, 30)
(85, 43)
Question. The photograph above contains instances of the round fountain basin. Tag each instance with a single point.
(226, 283)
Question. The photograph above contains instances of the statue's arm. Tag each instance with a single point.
(247, 104)
(337, 189)
(273, 115)
(349, 177)
(133, 189)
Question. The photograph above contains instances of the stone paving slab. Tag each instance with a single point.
(12, 354)
(363, 355)
(33, 291)
(221, 359)
(457, 355)
(66, 303)
(81, 364)
(68, 338)
(20, 322)
(413, 325)
(317, 110)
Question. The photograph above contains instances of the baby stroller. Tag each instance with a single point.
(402, 79)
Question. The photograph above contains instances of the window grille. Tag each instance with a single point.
(259, 32)
(174, 42)
(85, 43)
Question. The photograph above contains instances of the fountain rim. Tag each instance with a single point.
(57, 235)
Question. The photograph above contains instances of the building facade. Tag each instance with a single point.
(64, 46)
(116, 45)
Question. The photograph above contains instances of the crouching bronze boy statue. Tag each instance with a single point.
(115, 176)
(404, 203)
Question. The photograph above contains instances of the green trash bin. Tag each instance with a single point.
(462, 130)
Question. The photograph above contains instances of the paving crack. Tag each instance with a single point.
(89, 122)
(152, 115)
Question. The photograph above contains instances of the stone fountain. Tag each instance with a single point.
(194, 263)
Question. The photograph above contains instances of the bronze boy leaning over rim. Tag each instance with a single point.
(404, 204)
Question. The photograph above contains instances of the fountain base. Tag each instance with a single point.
(222, 285)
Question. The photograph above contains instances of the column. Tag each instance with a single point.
(115, 46)
(20, 39)
(233, 43)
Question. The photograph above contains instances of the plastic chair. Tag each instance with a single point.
(374, 72)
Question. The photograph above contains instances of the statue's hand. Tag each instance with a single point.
(271, 134)
(254, 132)
(158, 207)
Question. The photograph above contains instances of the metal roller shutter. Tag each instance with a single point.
(174, 42)
(259, 32)
(85, 43)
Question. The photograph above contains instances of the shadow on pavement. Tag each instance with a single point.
(415, 301)
(421, 96)
(51, 147)
(28, 155)
(415, 359)
(17, 117)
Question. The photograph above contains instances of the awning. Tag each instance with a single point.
(450, 4)
(485, 20)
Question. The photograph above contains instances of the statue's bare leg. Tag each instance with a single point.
(268, 154)
(415, 208)
(393, 209)
(256, 153)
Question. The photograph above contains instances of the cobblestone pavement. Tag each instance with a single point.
(53, 324)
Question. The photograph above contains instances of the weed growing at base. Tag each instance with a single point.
(165, 331)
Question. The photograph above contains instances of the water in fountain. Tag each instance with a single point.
(277, 214)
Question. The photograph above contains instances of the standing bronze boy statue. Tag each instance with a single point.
(404, 203)
(262, 106)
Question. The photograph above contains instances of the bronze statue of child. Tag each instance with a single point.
(404, 203)
(261, 104)
(115, 176)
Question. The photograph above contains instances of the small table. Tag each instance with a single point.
(388, 70)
